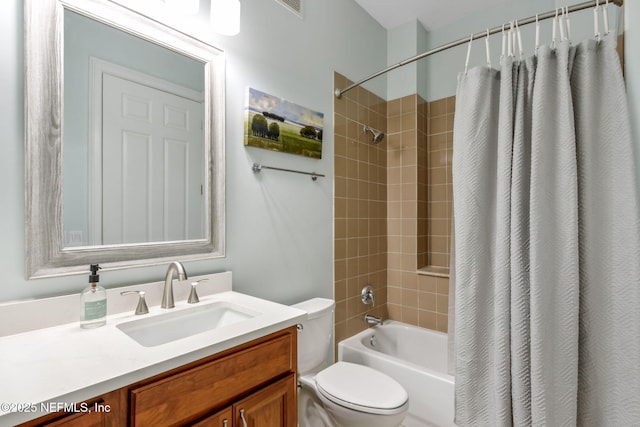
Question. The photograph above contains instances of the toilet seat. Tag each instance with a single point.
(361, 388)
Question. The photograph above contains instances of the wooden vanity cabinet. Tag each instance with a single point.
(254, 382)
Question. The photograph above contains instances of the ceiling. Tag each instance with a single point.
(432, 14)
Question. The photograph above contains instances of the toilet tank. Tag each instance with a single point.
(314, 339)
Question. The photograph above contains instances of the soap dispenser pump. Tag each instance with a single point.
(93, 310)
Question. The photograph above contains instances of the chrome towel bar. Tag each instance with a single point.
(256, 168)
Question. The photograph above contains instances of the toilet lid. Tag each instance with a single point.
(361, 388)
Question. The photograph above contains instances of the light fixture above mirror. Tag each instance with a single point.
(225, 16)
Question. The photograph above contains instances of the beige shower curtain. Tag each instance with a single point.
(547, 243)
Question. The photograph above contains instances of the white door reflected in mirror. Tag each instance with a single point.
(152, 172)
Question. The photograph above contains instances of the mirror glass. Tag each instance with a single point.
(133, 140)
(124, 140)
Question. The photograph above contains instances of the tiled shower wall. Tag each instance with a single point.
(360, 208)
(390, 219)
(440, 187)
(415, 298)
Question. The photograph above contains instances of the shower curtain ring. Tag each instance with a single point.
(596, 23)
(504, 43)
(466, 63)
(605, 17)
(567, 22)
(486, 46)
(554, 31)
(537, 35)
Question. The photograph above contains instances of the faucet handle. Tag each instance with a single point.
(142, 303)
(367, 296)
(193, 295)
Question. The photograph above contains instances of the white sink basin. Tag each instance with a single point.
(167, 327)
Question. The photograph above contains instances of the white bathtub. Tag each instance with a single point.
(416, 358)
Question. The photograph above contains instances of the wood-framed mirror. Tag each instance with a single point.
(124, 140)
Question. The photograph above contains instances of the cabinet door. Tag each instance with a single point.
(219, 419)
(273, 406)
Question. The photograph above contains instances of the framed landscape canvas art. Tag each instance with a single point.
(275, 124)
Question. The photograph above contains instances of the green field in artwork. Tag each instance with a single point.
(287, 138)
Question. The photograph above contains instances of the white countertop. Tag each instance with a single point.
(69, 364)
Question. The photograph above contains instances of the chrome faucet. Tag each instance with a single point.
(367, 296)
(372, 320)
(167, 294)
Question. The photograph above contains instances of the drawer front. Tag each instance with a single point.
(189, 395)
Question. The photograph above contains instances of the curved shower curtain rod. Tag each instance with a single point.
(485, 33)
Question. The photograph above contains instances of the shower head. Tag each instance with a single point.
(377, 135)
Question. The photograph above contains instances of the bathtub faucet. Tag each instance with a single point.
(372, 320)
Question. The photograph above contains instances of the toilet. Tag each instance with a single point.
(341, 394)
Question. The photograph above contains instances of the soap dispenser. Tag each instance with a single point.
(93, 302)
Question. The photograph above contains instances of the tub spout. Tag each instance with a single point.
(372, 320)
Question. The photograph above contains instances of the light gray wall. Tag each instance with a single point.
(279, 225)
(403, 43)
(422, 72)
